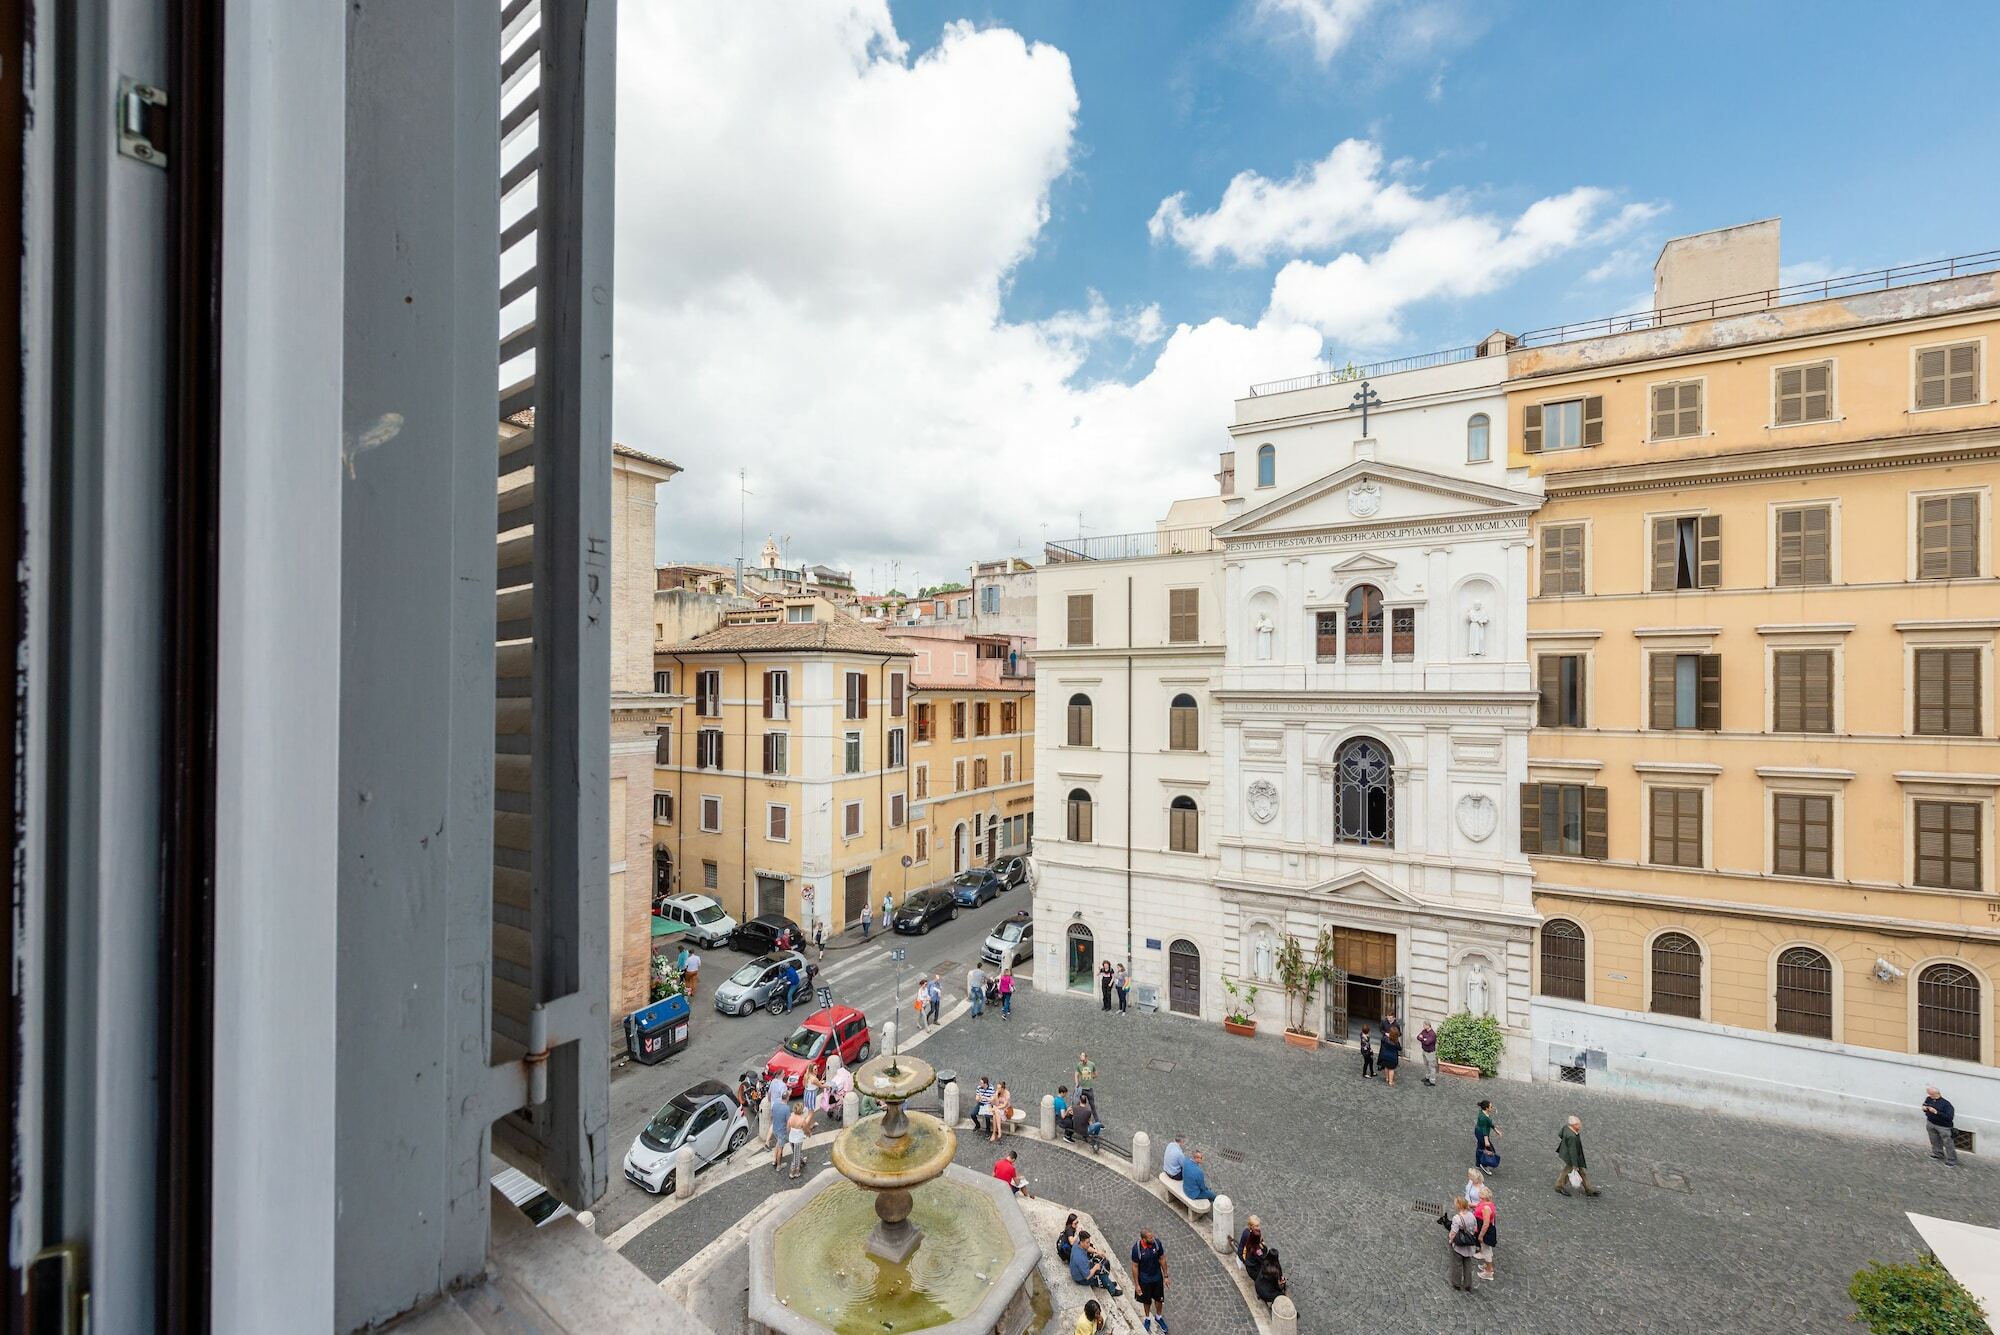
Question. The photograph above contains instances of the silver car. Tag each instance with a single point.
(761, 982)
(1012, 941)
(705, 1116)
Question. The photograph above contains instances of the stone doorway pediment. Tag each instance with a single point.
(1364, 887)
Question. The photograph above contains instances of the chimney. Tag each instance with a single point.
(1724, 272)
(1226, 477)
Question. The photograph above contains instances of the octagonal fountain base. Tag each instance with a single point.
(972, 1272)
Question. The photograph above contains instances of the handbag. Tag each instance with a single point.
(1488, 1158)
(1461, 1237)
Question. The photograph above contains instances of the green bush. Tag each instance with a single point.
(1920, 1298)
(1470, 1040)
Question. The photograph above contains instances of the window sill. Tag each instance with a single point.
(1950, 407)
(1816, 421)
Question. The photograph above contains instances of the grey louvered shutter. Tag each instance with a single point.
(1933, 391)
(1596, 822)
(1665, 554)
(1708, 552)
(1663, 411)
(1531, 429)
(1788, 691)
(1531, 818)
(1708, 715)
(1593, 420)
(551, 831)
(1548, 681)
(1688, 409)
(1790, 564)
(1816, 545)
(1660, 691)
(1790, 405)
(1817, 403)
(1962, 370)
(1816, 690)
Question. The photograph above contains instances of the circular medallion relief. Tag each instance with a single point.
(1364, 498)
(1263, 798)
(1478, 817)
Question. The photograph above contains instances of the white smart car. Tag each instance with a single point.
(706, 1116)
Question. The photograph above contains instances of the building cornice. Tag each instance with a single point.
(1768, 463)
(1108, 653)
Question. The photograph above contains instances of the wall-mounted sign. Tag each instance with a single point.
(1152, 943)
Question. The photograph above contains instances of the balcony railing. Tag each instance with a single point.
(1129, 546)
(1873, 280)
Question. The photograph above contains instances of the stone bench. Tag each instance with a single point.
(1177, 1192)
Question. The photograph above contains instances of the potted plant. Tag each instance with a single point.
(1299, 976)
(1469, 1045)
(1242, 1017)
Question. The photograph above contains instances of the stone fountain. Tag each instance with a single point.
(948, 1251)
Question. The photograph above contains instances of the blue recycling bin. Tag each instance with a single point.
(654, 1033)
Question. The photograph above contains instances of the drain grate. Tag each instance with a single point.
(1572, 1075)
(1234, 1156)
(1964, 1140)
(1427, 1207)
(1160, 1064)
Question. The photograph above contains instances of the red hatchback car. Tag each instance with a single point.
(840, 1028)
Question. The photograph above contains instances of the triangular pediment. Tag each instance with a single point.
(1364, 887)
(1369, 492)
(1365, 563)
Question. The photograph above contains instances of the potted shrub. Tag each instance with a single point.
(1299, 975)
(1920, 1298)
(1469, 1045)
(1242, 1017)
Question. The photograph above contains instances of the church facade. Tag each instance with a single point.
(1346, 721)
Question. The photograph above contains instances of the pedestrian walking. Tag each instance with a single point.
(1938, 1115)
(1104, 981)
(1463, 1229)
(975, 990)
(999, 1111)
(1575, 1171)
(1392, 1053)
(819, 942)
(1367, 1055)
(888, 907)
(796, 1128)
(935, 995)
(777, 1101)
(1485, 1152)
(1007, 993)
(1485, 1211)
(691, 974)
(1121, 983)
(865, 921)
(1149, 1279)
(1427, 1042)
(982, 1102)
(1086, 1076)
(681, 959)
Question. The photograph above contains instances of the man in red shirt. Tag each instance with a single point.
(1008, 1169)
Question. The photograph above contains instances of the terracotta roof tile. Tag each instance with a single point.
(838, 635)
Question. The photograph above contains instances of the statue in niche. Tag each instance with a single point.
(1478, 989)
(1475, 629)
(1265, 630)
(1262, 955)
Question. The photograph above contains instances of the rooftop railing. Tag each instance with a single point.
(1873, 280)
(1130, 546)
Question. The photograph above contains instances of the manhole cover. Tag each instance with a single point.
(1159, 1064)
(943, 967)
(1668, 1180)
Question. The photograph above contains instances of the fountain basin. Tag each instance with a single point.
(811, 1272)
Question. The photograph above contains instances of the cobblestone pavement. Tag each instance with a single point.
(1706, 1222)
(1202, 1297)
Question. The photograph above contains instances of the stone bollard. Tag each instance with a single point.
(684, 1173)
(1048, 1117)
(889, 1036)
(850, 1108)
(1284, 1316)
(1222, 1224)
(951, 1104)
(1142, 1156)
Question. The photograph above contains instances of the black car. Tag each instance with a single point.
(759, 936)
(970, 889)
(923, 910)
(1010, 871)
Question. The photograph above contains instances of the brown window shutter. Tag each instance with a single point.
(1816, 703)
(1687, 828)
(1818, 400)
(1580, 718)
(1963, 375)
(1961, 700)
(1593, 420)
(1791, 547)
(1932, 390)
(1708, 552)
(1572, 564)
(1688, 409)
(1930, 675)
(1708, 715)
(1080, 618)
(1934, 537)
(1816, 835)
(1963, 529)
(1660, 674)
(1597, 822)
(767, 695)
(1665, 550)
(1531, 817)
(1788, 690)
(1816, 546)
(1790, 406)
(1548, 673)
(1663, 411)
(1531, 429)
(1552, 559)
(1661, 821)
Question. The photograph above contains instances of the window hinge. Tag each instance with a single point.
(142, 122)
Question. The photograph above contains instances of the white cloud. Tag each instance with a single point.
(815, 233)
(1343, 195)
(1330, 24)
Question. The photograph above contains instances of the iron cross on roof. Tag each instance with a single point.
(1364, 399)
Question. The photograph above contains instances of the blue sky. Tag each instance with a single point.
(895, 261)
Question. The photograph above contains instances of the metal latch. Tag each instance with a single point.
(142, 122)
(57, 1302)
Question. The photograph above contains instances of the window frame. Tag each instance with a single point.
(899, 810)
(1540, 981)
(1775, 794)
(1701, 953)
(1981, 539)
(777, 693)
(663, 808)
(1556, 716)
(777, 753)
(702, 746)
(1183, 825)
(1080, 609)
(710, 802)
(1834, 991)
(1707, 527)
(1482, 424)
(899, 752)
(1184, 623)
(1184, 719)
(1705, 838)
(1983, 1009)
(1702, 657)
(1538, 414)
(1079, 729)
(1583, 562)
(711, 874)
(855, 696)
(1981, 653)
(1079, 817)
(853, 753)
(708, 691)
(1982, 821)
(1917, 351)
(854, 814)
(1267, 477)
(1836, 682)
(777, 823)
(1387, 840)
(1774, 541)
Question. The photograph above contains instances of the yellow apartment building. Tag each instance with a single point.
(782, 784)
(972, 750)
(1760, 798)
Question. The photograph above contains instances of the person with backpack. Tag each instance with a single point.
(1463, 1230)
(1066, 1239)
